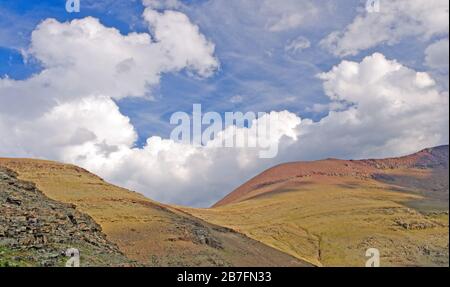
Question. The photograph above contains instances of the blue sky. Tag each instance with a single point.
(254, 64)
(344, 83)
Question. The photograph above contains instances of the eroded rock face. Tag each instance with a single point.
(35, 230)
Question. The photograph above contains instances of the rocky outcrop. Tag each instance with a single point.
(36, 231)
(431, 158)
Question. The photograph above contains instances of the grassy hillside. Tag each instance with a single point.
(148, 232)
(323, 213)
(330, 212)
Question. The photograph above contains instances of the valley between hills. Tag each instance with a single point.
(322, 213)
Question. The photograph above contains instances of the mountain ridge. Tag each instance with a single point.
(322, 213)
(429, 157)
(330, 212)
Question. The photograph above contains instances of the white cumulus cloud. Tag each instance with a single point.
(391, 109)
(181, 173)
(182, 41)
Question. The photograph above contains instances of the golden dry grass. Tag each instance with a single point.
(322, 219)
(332, 221)
(146, 231)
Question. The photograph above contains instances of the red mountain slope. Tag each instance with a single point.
(271, 179)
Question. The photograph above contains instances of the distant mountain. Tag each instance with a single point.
(432, 158)
(147, 232)
(330, 212)
(321, 213)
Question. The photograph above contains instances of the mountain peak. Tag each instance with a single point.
(436, 157)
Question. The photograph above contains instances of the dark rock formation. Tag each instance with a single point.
(36, 231)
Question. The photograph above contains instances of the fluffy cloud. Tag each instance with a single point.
(185, 174)
(390, 109)
(71, 131)
(83, 57)
(396, 20)
(182, 42)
